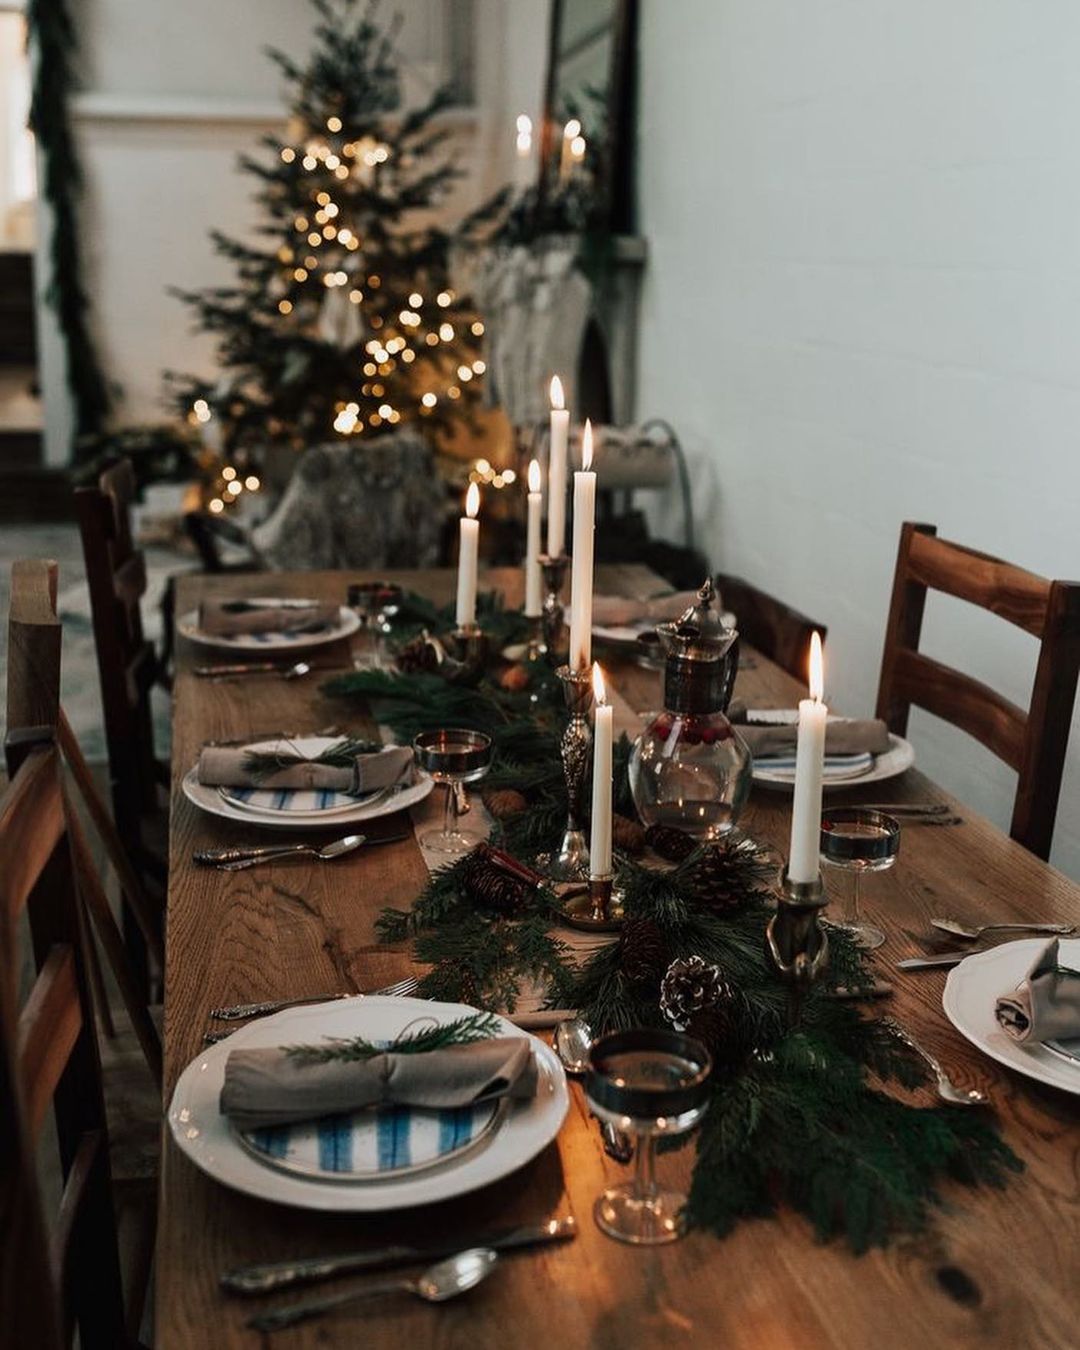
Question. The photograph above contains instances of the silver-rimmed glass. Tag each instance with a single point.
(375, 603)
(859, 839)
(652, 1083)
(453, 756)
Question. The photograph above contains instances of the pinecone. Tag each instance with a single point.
(514, 678)
(674, 845)
(627, 835)
(504, 802)
(418, 657)
(643, 951)
(493, 888)
(718, 881)
(689, 986)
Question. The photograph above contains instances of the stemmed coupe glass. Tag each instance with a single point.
(652, 1083)
(375, 604)
(453, 756)
(859, 839)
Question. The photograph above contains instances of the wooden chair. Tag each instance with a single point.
(1033, 742)
(775, 629)
(51, 1283)
(33, 702)
(128, 667)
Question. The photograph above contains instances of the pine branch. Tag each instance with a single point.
(355, 1049)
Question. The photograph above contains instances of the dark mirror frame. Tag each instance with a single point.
(614, 194)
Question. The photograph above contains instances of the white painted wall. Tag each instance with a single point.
(862, 306)
(171, 95)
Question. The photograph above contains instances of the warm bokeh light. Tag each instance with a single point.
(534, 475)
(472, 501)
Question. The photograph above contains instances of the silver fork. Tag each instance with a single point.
(238, 1012)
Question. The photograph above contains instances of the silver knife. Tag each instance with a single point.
(945, 960)
(261, 1279)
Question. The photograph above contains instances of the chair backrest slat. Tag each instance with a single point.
(1032, 742)
(49, 1026)
(34, 796)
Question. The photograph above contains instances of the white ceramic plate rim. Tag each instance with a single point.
(188, 626)
(968, 1000)
(203, 1134)
(208, 799)
(895, 761)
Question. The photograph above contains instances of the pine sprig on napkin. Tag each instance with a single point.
(341, 755)
(353, 1049)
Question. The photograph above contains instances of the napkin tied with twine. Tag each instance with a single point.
(235, 618)
(1045, 1005)
(232, 766)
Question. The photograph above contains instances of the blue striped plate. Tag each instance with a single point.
(295, 801)
(374, 1145)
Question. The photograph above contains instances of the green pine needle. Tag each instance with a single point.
(355, 1049)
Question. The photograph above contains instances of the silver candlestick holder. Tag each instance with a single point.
(552, 625)
(795, 942)
(571, 861)
(535, 645)
(596, 908)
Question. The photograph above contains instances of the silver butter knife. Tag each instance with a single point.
(260, 1279)
(943, 961)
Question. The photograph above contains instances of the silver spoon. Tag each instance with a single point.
(959, 930)
(293, 672)
(946, 1088)
(446, 1279)
(573, 1037)
(336, 849)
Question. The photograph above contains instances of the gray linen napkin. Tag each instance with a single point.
(617, 611)
(231, 618)
(852, 737)
(268, 1087)
(227, 766)
(1045, 1005)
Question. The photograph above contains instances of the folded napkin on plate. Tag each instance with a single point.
(232, 618)
(230, 766)
(267, 1086)
(842, 737)
(1045, 1005)
(616, 611)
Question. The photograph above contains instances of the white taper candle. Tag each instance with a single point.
(468, 557)
(533, 580)
(603, 741)
(560, 436)
(809, 766)
(581, 569)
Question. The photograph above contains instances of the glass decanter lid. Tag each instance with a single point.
(699, 634)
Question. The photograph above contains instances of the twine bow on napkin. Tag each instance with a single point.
(1045, 1005)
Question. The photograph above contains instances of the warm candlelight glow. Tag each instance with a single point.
(472, 501)
(524, 124)
(558, 399)
(586, 446)
(572, 129)
(534, 475)
(817, 672)
(599, 691)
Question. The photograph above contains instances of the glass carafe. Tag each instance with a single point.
(690, 768)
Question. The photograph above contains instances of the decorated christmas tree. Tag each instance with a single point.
(344, 322)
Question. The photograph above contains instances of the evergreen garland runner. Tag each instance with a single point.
(799, 1114)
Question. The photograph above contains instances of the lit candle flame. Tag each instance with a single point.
(558, 399)
(572, 129)
(534, 475)
(472, 501)
(817, 669)
(524, 124)
(599, 691)
(586, 446)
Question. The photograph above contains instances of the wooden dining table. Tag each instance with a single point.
(994, 1268)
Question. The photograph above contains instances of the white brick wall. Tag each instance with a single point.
(863, 305)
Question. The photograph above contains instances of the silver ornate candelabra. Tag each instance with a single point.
(552, 626)
(571, 861)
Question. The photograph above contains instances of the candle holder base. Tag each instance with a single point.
(596, 908)
(535, 646)
(556, 640)
(570, 861)
(466, 654)
(796, 945)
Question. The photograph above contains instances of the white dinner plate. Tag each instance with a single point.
(899, 756)
(204, 1134)
(338, 810)
(270, 644)
(309, 804)
(626, 635)
(972, 990)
